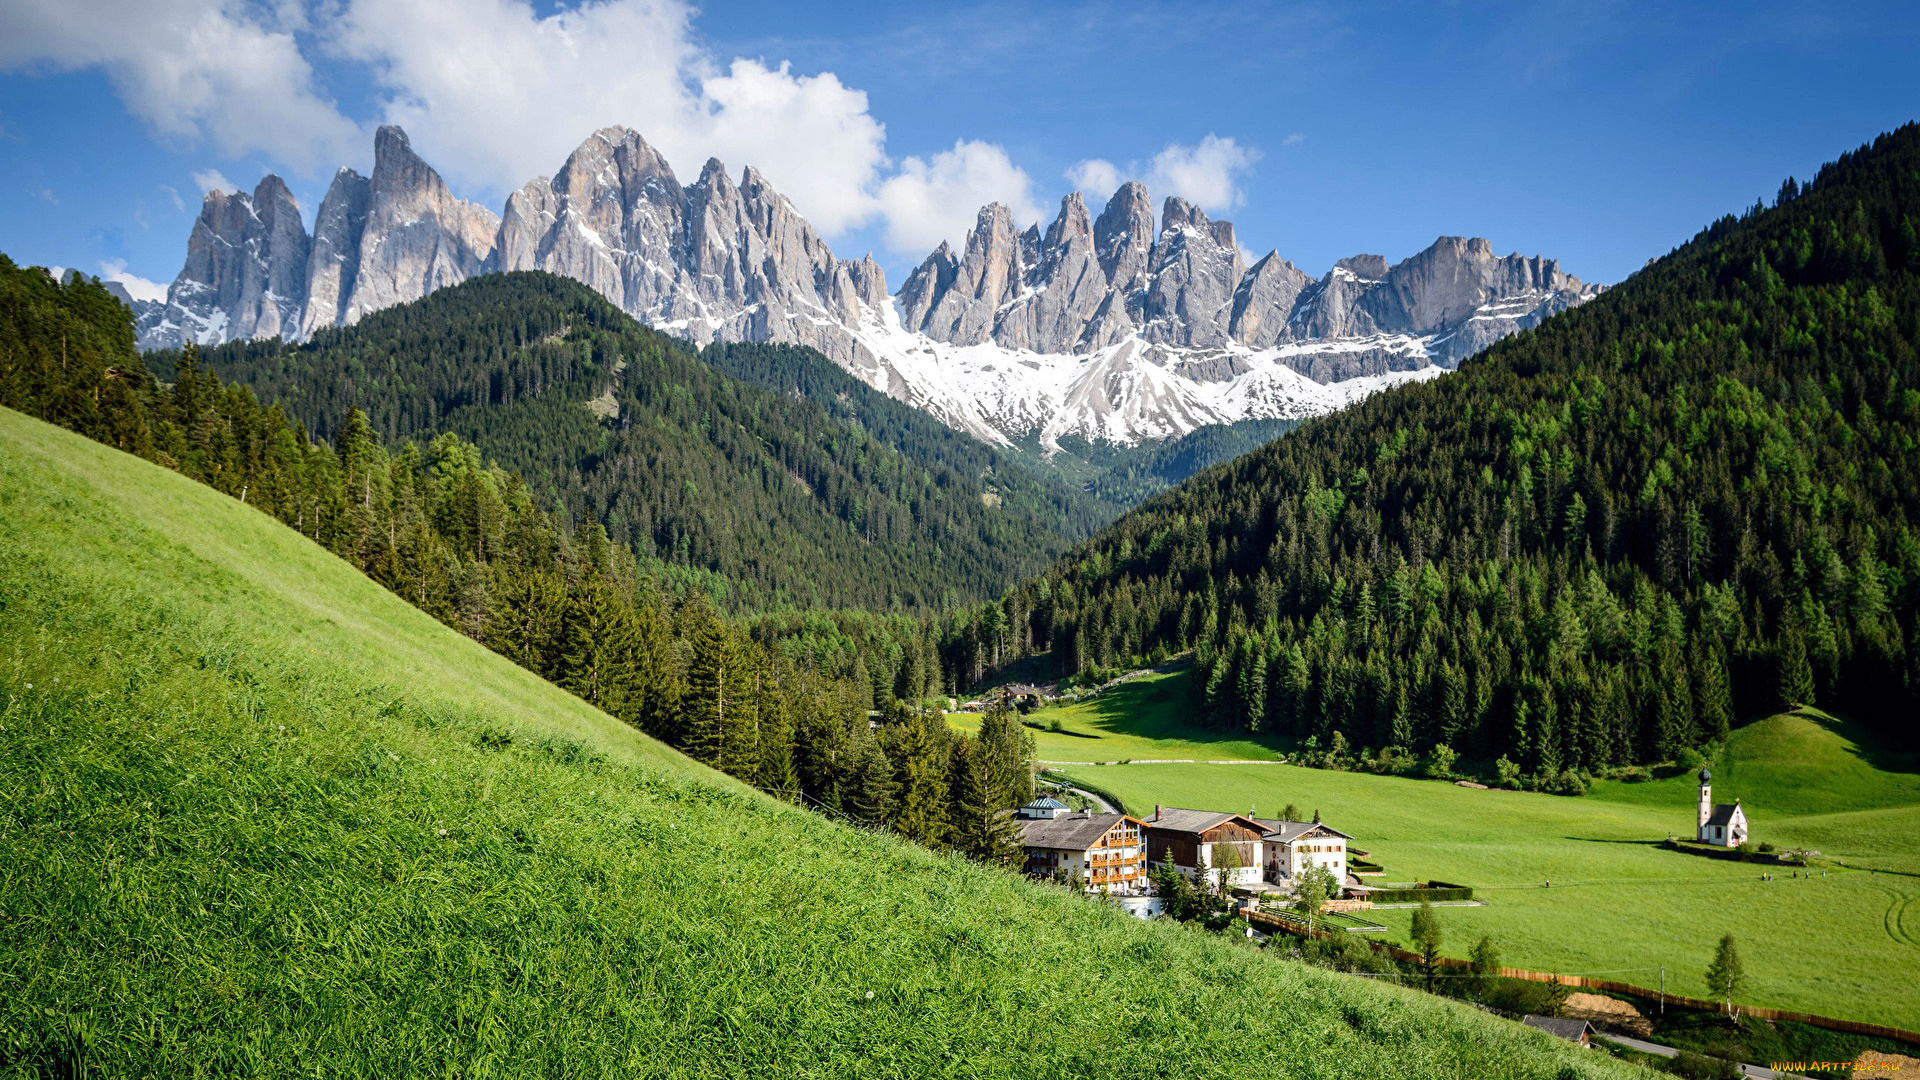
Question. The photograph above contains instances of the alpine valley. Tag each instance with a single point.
(1112, 328)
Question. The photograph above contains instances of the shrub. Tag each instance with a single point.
(1567, 783)
(1508, 773)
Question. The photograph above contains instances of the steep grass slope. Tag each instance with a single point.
(259, 816)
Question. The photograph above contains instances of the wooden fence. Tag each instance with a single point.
(1584, 982)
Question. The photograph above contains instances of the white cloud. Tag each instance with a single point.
(137, 287)
(810, 135)
(926, 202)
(494, 94)
(1207, 175)
(194, 70)
(1096, 178)
(1294, 139)
(211, 180)
(173, 196)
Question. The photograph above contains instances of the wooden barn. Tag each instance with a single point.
(1206, 840)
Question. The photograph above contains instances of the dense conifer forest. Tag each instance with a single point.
(468, 543)
(808, 495)
(1689, 501)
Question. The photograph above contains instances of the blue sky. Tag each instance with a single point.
(1599, 133)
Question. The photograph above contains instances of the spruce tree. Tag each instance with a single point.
(1793, 672)
(1426, 940)
(868, 793)
(920, 810)
(983, 827)
(1712, 695)
(711, 700)
(1484, 962)
(597, 650)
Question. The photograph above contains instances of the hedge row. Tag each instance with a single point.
(1414, 896)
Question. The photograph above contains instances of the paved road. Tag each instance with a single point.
(1645, 1047)
(1105, 806)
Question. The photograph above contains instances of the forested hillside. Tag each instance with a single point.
(1689, 501)
(790, 499)
(468, 543)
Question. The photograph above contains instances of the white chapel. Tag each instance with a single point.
(1724, 825)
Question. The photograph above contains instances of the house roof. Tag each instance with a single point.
(1068, 832)
(1045, 803)
(1286, 832)
(1194, 821)
(1561, 1026)
(1723, 814)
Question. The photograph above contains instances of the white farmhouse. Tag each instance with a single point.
(1293, 846)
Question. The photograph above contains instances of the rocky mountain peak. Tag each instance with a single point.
(245, 273)
(418, 236)
(1178, 213)
(1073, 226)
(334, 262)
(1101, 325)
(1366, 267)
(1123, 236)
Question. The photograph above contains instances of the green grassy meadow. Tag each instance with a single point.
(1844, 945)
(1145, 718)
(258, 816)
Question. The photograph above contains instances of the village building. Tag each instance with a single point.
(1202, 842)
(1102, 850)
(1724, 825)
(1577, 1031)
(1293, 846)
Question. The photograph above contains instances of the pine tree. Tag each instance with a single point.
(1713, 697)
(1426, 940)
(1484, 962)
(775, 771)
(1252, 687)
(983, 828)
(597, 649)
(1005, 750)
(920, 810)
(709, 707)
(1794, 673)
(868, 796)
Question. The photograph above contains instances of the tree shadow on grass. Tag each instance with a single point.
(1875, 746)
(1165, 709)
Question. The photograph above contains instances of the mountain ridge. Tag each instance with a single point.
(1101, 328)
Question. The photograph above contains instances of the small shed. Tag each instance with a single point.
(1578, 1031)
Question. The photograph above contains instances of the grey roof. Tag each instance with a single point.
(1723, 814)
(1068, 832)
(1286, 832)
(1561, 1026)
(1045, 803)
(1193, 821)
